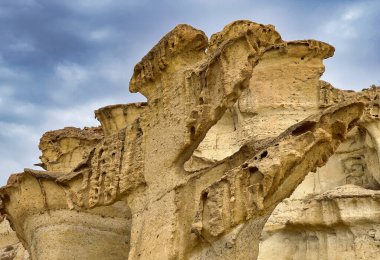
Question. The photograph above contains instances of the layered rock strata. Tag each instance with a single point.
(231, 126)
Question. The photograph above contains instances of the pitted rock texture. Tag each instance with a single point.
(334, 212)
(63, 150)
(231, 127)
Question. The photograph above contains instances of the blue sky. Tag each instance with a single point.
(60, 60)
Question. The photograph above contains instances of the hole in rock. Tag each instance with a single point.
(303, 128)
(192, 130)
(264, 154)
(220, 142)
(253, 169)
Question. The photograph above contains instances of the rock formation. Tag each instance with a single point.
(334, 212)
(231, 127)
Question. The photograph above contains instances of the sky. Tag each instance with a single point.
(61, 60)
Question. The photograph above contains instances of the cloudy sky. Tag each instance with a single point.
(60, 60)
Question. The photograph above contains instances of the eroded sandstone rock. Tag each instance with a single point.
(10, 246)
(63, 150)
(334, 213)
(231, 126)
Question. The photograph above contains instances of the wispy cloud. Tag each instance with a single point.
(6, 72)
(352, 29)
(22, 46)
(99, 6)
(71, 74)
(101, 34)
(347, 24)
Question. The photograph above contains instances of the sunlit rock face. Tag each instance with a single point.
(334, 213)
(232, 125)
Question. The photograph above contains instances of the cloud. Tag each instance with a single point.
(6, 72)
(6, 92)
(346, 24)
(22, 46)
(353, 13)
(19, 141)
(101, 34)
(67, 81)
(71, 74)
(352, 29)
(350, 20)
(99, 6)
(216, 2)
(13, 109)
(19, 3)
(18, 149)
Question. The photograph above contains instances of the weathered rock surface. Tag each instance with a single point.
(342, 223)
(334, 213)
(62, 150)
(231, 127)
(10, 246)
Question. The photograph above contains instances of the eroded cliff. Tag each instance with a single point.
(231, 127)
